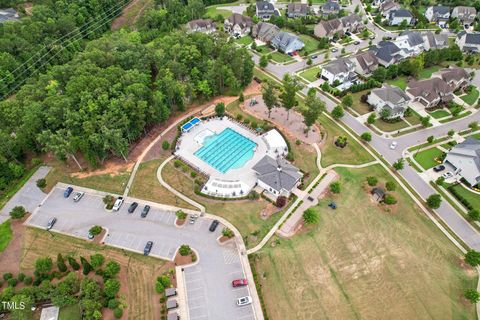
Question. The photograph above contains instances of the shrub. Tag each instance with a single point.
(21, 276)
(111, 288)
(440, 181)
(12, 282)
(474, 214)
(372, 181)
(97, 260)
(335, 187)
(239, 117)
(389, 199)
(28, 281)
(111, 269)
(112, 304)
(117, 313)
(95, 230)
(241, 98)
(390, 186)
(41, 183)
(7, 276)
(109, 201)
(281, 201)
(193, 174)
(472, 295)
(472, 257)
(181, 215)
(434, 201)
(430, 139)
(43, 265)
(165, 145)
(253, 195)
(18, 212)
(73, 263)
(298, 142)
(366, 136)
(220, 109)
(159, 288)
(310, 216)
(164, 280)
(184, 250)
(61, 266)
(226, 232)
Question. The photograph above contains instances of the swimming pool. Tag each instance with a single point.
(226, 150)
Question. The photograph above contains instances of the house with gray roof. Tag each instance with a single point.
(465, 15)
(390, 98)
(433, 41)
(465, 159)
(387, 6)
(277, 176)
(396, 17)
(297, 10)
(468, 41)
(265, 31)
(388, 53)
(365, 62)
(341, 70)
(201, 25)
(330, 8)
(328, 28)
(438, 15)
(430, 92)
(238, 25)
(287, 42)
(8, 14)
(411, 42)
(265, 9)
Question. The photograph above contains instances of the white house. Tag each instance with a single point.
(466, 15)
(238, 25)
(465, 158)
(342, 70)
(390, 98)
(396, 17)
(411, 42)
(468, 41)
(438, 15)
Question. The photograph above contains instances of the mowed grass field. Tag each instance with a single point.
(361, 262)
(137, 274)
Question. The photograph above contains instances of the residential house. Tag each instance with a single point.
(8, 14)
(297, 10)
(341, 70)
(430, 92)
(438, 15)
(201, 25)
(330, 8)
(390, 98)
(432, 40)
(365, 62)
(287, 42)
(265, 10)
(388, 53)
(396, 17)
(457, 78)
(465, 159)
(387, 6)
(468, 41)
(237, 25)
(465, 15)
(277, 176)
(377, 3)
(328, 28)
(265, 31)
(352, 23)
(411, 42)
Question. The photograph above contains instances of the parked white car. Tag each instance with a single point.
(393, 145)
(447, 175)
(118, 203)
(243, 301)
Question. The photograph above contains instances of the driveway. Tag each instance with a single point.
(208, 283)
(29, 196)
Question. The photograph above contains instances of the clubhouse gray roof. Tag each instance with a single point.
(277, 173)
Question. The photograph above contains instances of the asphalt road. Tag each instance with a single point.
(208, 283)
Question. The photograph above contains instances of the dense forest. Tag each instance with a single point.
(118, 86)
(50, 36)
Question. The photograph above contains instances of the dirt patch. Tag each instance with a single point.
(184, 260)
(269, 210)
(131, 13)
(224, 239)
(10, 257)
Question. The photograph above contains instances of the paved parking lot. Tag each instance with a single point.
(208, 283)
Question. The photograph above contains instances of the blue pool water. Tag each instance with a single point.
(227, 150)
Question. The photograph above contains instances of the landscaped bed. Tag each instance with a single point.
(426, 158)
(362, 262)
(472, 198)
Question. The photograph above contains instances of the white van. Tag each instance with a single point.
(118, 204)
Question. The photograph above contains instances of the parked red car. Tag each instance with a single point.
(239, 282)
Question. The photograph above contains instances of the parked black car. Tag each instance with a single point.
(132, 207)
(439, 168)
(145, 211)
(67, 192)
(214, 225)
(148, 248)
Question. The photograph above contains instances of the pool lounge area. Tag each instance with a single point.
(190, 124)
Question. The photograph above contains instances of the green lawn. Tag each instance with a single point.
(441, 113)
(264, 49)
(5, 235)
(426, 158)
(244, 41)
(388, 127)
(414, 118)
(427, 73)
(359, 106)
(472, 198)
(281, 57)
(400, 82)
(213, 12)
(365, 261)
(310, 74)
(311, 44)
(72, 312)
(471, 97)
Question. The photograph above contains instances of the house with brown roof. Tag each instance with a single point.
(265, 31)
(328, 28)
(365, 62)
(352, 23)
(296, 10)
(455, 77)
(238, 25)
(201, 25)
(465, 15)
(387, 6)
(430, 92)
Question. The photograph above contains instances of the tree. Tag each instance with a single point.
(112, 269)
(341, 141)
(380, 74)
(87, 267)
(372, 118)
(389, 199)
(390, 186)
(473, 125)
(337, 112)
(430, 139)
(440, 180)
(181, 215)
(385, 113)
(366, 136)
(309, 62)
(43, 265)
(399, 164)
(165, 145)
(269, 97)
(111, 288)
(288, 96)
(18, 212)
(62, 267)
(451, 133)
(472, 295)
(220, 109)
(474, 214)
(73, 263)
(310, 216)
(472, 257)
(184, 250)
(95, 230)
(434, 201)
(118, 313)
(425, 121)
(281, 201)
(263, 61)
(97, 260)
(347, 101)
(41, 183)
(313, 108)
(335, 187)
(372, 181)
